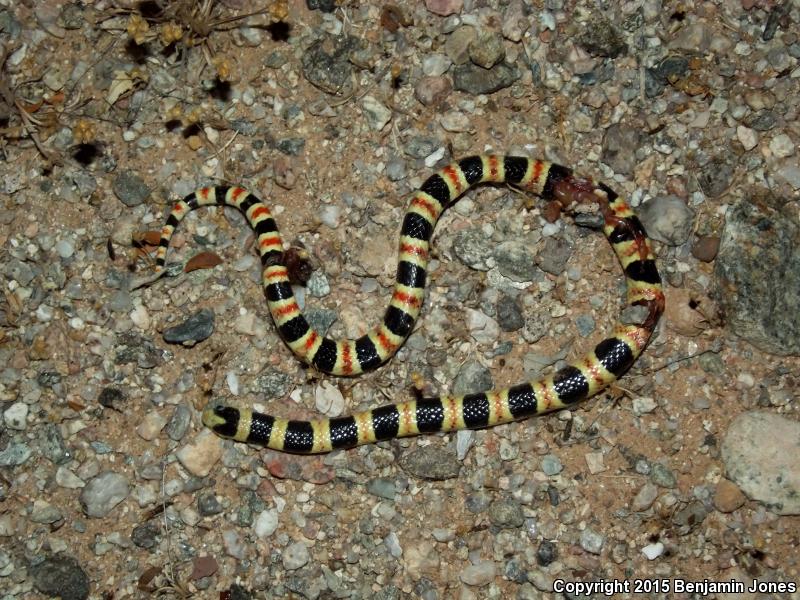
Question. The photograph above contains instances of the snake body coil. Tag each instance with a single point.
(577, 381)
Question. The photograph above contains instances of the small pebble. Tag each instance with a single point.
(653, 551)
(195, 329)
(393, 544)
(551, 465)
(705, 248)
(60, 576)
(747, 137)
(201, 454)
(382, 487)
(434, 65)
(645, 497)
(130, 189)
(103, 492)
(662, 476)
(667, 219)
(234, 545)
(595, 461)
(728, 497)
(376, 114)
(643, 405)
(506, 514)
(478, 575)
(546, 553)
(444, 8)
(16, 416)
(65, 248)
(592, 541)
(781, 146)
(67, 479)
(295, 556)
(151, 425)
(328, 399)
(330, 215)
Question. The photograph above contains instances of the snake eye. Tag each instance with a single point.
(224, 420)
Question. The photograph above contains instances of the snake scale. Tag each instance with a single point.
(577, 381)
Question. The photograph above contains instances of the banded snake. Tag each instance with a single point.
(577, 381)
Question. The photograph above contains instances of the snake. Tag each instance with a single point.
(577, 381)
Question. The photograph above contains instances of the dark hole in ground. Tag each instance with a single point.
(149, 9)
(221, 90)
(190, 130)
(279, 31)
(137, 53)
(86, 154)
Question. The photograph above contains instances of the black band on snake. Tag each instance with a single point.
(577, 381)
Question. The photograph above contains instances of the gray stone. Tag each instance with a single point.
(667, 219)
(295, 556)
(479, 574)
(421, 146)
(472, 377)
(272, 383)
(196, 328)
(130, 189)
(208, 505)
(472, 247)
(134, 348)
(382, 487)
(475, 80)
(554, 255)
(320, 319)
(551, 465)
(591, 541)
(645, 497)
(509, 314)
(103, 493)
(515, 21)
(760, 247)
(52, 445)
(666, 70)
(694, 37)
(506, 514)
(760, 452)
(689, 518)
(145, 535)
(61, 576)
(326, 63)
(15, 454)
(585, 324)
(762, 120)
(457, 45)
(620, 143)
(715, 176)
(376, 113)
(431, 463)
(600, 38)
(291, 146)
(546, 553)
(487, 49)
(179, 423)
(663, 477)
(516, 260)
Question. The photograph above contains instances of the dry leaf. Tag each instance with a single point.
(146, 238)
(204, 260)
(146, 579)
(122, 84)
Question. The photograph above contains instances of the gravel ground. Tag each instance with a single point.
(686, 471)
